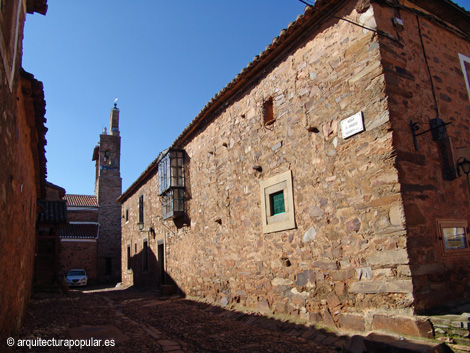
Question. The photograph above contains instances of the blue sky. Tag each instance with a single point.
(164, 60)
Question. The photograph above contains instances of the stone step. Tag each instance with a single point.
(461, 341)
(452, 326)
(389, 344)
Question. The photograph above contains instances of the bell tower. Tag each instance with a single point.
(108, 187)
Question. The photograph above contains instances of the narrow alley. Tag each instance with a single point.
(141, 321)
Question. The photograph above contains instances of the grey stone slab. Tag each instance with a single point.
(401, 286)
(97, 332)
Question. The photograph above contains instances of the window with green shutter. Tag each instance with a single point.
(277, 203)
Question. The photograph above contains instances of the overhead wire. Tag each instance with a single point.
(375, 30)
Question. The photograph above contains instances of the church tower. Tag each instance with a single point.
(108, 187)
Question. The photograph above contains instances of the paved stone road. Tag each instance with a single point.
(140, 321)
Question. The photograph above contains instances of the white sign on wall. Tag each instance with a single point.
(352, 125)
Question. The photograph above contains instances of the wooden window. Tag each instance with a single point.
(11, 15)
(453, 236)
(7, 14)
(173, 203)
(171, 171)
(164, 174)
(141, 209)
(171, 183)
(465, 64)
(277, 203)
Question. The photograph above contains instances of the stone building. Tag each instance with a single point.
(52, 218)
(78, 240)
(23, 164)
(92, 237)
(327, 180)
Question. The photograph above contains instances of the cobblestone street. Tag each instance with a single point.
(141, 321)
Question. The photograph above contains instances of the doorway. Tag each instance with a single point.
(161, 264)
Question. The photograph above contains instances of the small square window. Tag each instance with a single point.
(277, 203)
(453, 236)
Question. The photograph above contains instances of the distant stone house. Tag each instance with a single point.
(23, 165)
(52, 218)
(327, 180)
(78, 240)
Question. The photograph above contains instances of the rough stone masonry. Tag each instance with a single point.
(364, 249)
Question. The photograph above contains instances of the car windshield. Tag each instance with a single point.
(76, 273)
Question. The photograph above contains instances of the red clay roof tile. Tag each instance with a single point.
(81, 200)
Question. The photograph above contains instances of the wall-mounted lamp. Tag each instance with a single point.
(151, 231)
(438, 130)
(464, 165)
(141, 226)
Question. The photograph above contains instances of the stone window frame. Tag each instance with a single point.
(284, 221)
(452, 223)
(465, 64)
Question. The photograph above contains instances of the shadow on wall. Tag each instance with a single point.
(148, 270)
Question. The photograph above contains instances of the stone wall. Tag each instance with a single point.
(428, 56)
(364, 244)
(83, 216)
(76, 253)
(345, 191)
(133, 273)
(19, 185)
